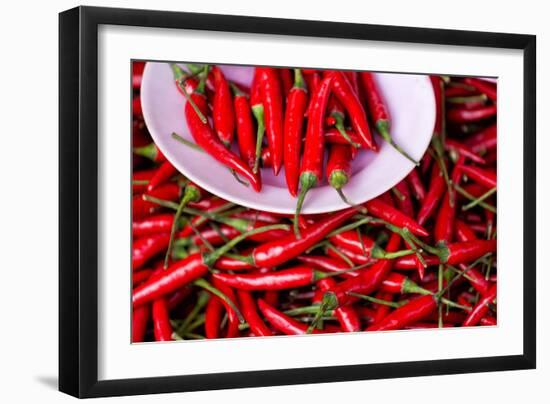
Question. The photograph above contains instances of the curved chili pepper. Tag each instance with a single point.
(143, 249)
(336, 117)
(312, 160)
(312, 78)
(246, 137)
(364, 245)
(258, 110)
(280, 251)
(257, 215)
(333, 135)
(150, 151)
(162, 175)
(416, 185)
(388, 213)
(435, 192)
(481, 308)
(286, 81)
(293, 129)
(248, 307)
(140, 276)
(463, 232)
(410, 262)
(204, 136)
(410, 313)
(140, 180)
(482, 176)
(463, 150)
(404, 200)
(471, 115)
(161, 321)
(142, 208)
(466, 251)
(281, 322)
(270, 85)
(327, 263)
(233, 264)
(344, 92)
(213, 317)
(223, 112)
(444, 223)
(160, 223)
(140, 318)
(232, 318)
(490, 90)
(379, 113)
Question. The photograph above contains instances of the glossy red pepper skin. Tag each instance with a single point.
(338, 170)
(286, 81)
(350, 240)
(232, 318)
(463, 232)
(205, 137)
(488, 321)
(296, 106)
(404, 200)
(162, 175)
(437, 84)
(151, 151)
(223, 112)
(213, 317)
(456, 115)
(333, 136)
(141, 176)
(176, 276)
(229, 233)
(343, 90)
(250, 314)
(436, 190)
(161, 223)
(246, 136)
(161, 320)
(145, 248)
(280, 251)
(140, 276)
(281, 322)
(416, 185)
(410, 313)
(232, 264)
(410, 262)
(328, 264)
(489, 89)
(270, 85)
(468, 251)
(444, 222)
(142, 208)
(369, 278)
(463, 150)
(483, 176)
(140, 318)
(279, 280)
(390, 214)
(137, 74)
(481, 308)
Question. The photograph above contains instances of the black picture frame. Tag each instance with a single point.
(78, 196)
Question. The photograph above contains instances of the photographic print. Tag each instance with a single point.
(270, 201)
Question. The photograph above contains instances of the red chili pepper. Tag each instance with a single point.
(286, 81)
(488, 321)
(369, 279)
(344, 92)
(229, 232)
(410, 313)
(444, 223)
(151, 151)
(463, 150)
(334, 136)
(481, 308)
(257, 106)
(482, 176)
(248, 307)
(437, 84)
(136, 106)
(388, 213)
(379, 113)
(490, 90)
(338, 168)
(140, 318)
(459, 90)
(143, 249)
(161, 320)
(223, 112)
(140, 276)
(484, 140)
(347, 316)
(435, 192)
(404, 200)
(246, 137)
(471, 115)
(140, 180)
(293, 130)
(233, 319)
(312, 160)
(410, 262)
(313, 79)
(272, 98)
(161, 223)
(204, 136)
(280, 251)
(137, 74)
(142, 208)
(467, 251)
(213, 317)
(177, 297)
(162, 175)
(463, 232)
(381, 310)
(327, 263)
(257, 215)
(233, 264)
(416, 185)
(281, 322)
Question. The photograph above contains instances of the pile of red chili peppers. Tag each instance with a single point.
(422, 255)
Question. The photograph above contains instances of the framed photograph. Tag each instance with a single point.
(253, 202)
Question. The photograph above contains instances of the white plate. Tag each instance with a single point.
(411, 105)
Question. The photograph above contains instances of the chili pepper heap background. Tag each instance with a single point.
(422, 255)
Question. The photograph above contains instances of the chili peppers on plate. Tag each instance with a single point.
(421, 255)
